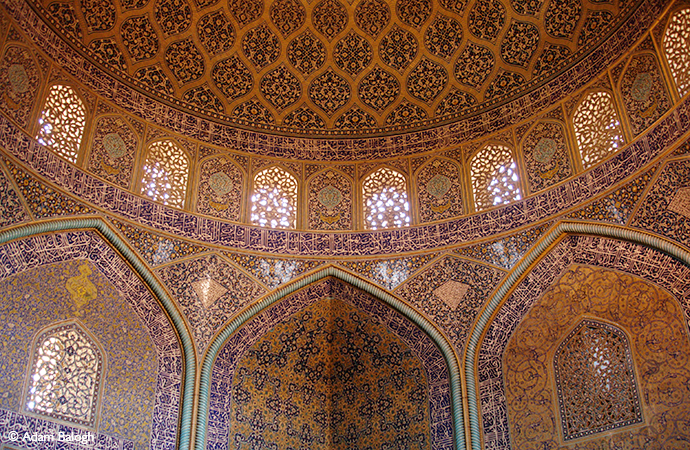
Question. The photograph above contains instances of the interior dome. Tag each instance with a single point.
(333, 67)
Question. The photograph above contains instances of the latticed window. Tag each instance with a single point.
(165, 174)
(385, 200)
(494, 177)
(596, 381)
(274, 201)
(66, 370)
(62, 122)
(597, 128)
(677, 49)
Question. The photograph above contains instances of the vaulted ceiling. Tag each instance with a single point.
(334, 67)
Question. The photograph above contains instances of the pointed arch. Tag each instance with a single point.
(274, 198)
(385, 199)
(62, 122)
(165, 173)
(494, 175)
(410, 314)
(189, 369)
(543, 247)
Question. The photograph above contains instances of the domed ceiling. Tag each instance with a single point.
(334, 67)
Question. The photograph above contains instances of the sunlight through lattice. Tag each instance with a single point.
(274, 202)
(597, 128)
(494, 177)
(62, 122)
(165, 174)
(385, 200)
(677, 49)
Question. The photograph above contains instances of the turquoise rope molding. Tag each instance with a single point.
(331, 271)
(542, 247)
(61, 225)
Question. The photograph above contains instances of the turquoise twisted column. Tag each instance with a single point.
(397, 305)
(62, 225)
(542, 247)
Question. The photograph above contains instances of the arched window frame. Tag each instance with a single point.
(615, 134)
(278, 197)
(157, 170)
(482, 182)
(96, 393)
(405, 205)
(597, 361)
(682, 84)
(65, 119)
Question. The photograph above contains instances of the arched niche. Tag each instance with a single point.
(329, 364)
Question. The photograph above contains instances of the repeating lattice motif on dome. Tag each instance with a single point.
(66, 371)
(527, 7)
(644, 92)
(274, 199)
(379, 89)
(246, 11)
(253, 111)
(165, 174)
(155, 78)
(486, 19)
(306, 52)
(113, 151)
(64, 14)
(427, 80)
(329, 91)
(443, 36)
(201, 4)
(352, 53)
(355, 119)
(133, 4)
(413, 12)
(62, 122)
(329, 18)
(562, 17)
(281, 87)
(545, 151)
(98, 14)
(203, 98)
(677, 49)
(504, 83)
(595, 22)
(261, 46)
(232, 77)
(406, 113)
(439, 191)
(220, 189)
(216, 33)
(304, 118)
(456, 6)
(384, 194)
(372, 16)
(173, 16)
(139, 38)
(287, 15)
(595, 358)
(520, 43)
(454, 102)
(494, 177)
(330, 201)
(597, 128)
(184, 61)
(474, 65)
(398, 48)
(19, 78)
(109, 53)
(550, 59)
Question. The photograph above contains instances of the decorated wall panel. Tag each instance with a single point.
(330, 201)
(547, 159)
(660, 351)
(21, 80)
(439, 190)
(113, 150)
(221, 189)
